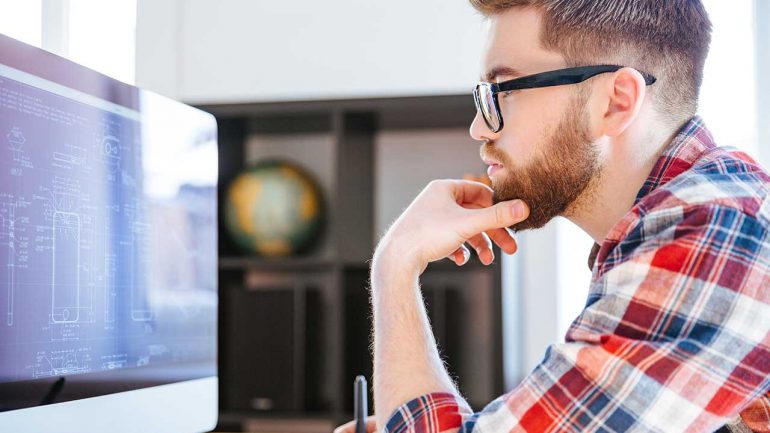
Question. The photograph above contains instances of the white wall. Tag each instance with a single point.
(407, 160)
(762, 38)
(259, 50)
(729, 93)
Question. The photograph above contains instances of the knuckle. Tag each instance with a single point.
(435, 183)
(441, 183)
(465, 234)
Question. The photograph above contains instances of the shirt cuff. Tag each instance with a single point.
(430, 413)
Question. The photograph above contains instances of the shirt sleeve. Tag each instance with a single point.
(435, 412)
(675, 337)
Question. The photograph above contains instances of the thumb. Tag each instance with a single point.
(503, 214)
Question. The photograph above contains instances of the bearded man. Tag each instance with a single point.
(587, 110)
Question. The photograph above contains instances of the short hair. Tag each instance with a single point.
(666, 38)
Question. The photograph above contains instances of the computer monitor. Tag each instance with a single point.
(108, 273)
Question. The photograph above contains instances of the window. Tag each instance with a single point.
(102, 36)
(25, 23)
(98, 34)
(728, 97)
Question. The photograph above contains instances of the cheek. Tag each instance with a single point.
(536, 107)
(530, 117)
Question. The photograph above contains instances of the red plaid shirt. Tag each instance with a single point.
(675, 334)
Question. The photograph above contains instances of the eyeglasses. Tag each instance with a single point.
(485, 94)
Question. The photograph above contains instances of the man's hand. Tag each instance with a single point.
(445, 215)
(350, 427)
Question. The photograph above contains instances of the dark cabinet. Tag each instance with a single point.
(295, 331)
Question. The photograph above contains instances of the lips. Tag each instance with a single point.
(494, 165)
(494, 168)
(490, 161)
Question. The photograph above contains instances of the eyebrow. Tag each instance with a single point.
(497, 71)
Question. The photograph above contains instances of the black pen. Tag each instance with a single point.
(359, 404)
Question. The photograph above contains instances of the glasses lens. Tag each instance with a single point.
(485, 102)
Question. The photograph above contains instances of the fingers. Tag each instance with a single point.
(476, 195)
(482, 243)
(483, 247)
(504, 239)
(503, 214)
(460, 256)
(468, 192)
(350, 427)
(346, 428)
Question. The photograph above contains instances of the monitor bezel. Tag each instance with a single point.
(187, 402)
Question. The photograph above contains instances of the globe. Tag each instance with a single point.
(274, 209)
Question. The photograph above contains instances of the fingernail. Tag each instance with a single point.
(517, 208)
(466, 255)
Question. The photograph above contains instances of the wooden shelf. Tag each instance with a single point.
(262, 422)
(275, 264)
(347, 145)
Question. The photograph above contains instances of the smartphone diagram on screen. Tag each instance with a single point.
(65, 274)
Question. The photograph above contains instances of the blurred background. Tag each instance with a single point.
(332, 117)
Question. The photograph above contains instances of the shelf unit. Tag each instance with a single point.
(337, 141)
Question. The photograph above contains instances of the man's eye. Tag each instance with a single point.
(507, 93)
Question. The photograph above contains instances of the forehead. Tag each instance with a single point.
(513, 40)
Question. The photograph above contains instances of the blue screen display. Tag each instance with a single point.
(107, 233)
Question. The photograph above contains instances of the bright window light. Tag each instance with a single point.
(728, 98)
(102, 36)
(574, 278)
(22, 20)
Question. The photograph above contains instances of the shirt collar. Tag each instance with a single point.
(687, 146)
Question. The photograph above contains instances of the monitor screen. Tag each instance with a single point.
(108, 279)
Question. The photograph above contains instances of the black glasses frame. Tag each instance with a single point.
(556, 77)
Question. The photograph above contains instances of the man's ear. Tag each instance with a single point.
(623, 94)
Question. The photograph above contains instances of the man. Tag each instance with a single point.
(676, 332)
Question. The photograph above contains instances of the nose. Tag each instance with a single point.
(480, 131)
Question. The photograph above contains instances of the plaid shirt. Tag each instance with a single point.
(675, 334)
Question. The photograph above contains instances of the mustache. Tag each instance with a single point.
(488, 150)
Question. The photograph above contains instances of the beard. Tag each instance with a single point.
(561, 179)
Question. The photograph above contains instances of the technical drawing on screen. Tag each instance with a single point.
(107, 235)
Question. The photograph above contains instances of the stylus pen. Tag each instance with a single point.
(359, 406)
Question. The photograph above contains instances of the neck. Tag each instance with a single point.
(628, 163)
